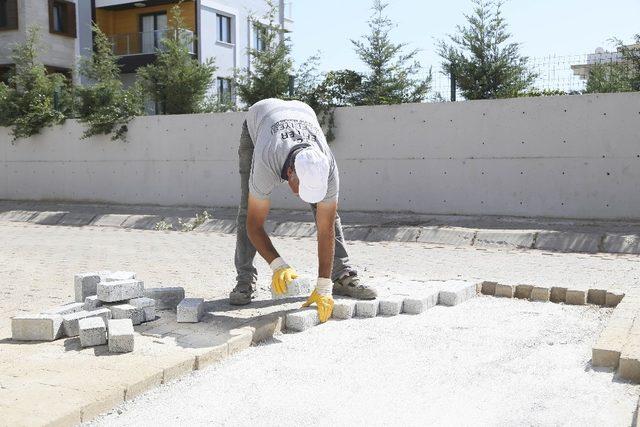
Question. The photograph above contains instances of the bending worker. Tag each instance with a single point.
(282, 141)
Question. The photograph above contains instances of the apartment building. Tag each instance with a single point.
(65, 29)
(223, 29)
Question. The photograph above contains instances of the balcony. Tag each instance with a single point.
(147, 43)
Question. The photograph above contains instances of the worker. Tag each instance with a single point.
(282, 141)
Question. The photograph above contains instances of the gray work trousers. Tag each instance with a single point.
(245, 251)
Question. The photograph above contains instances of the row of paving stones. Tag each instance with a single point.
(549, 240)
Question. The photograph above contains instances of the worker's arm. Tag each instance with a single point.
(257, 211)
(322, 294)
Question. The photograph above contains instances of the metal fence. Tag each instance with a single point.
(566, 73)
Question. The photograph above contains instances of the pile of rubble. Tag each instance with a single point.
(107, 306)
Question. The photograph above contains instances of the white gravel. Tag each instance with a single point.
(489, 361)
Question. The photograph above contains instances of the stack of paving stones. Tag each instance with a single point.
(107, 306)
(451, 293)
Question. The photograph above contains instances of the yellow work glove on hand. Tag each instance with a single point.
(322, 298)
(282, 275)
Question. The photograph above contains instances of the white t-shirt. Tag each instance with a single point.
(275, 127)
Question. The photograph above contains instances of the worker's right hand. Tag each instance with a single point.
(283, 274)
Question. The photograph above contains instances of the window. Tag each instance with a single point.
(224, 28)
(153, 29)
(62, 17)
(225, 94)
(258, 31)
(8, 14)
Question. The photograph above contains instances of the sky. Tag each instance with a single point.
(542, 27)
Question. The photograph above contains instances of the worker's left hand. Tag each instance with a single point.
(322, 298)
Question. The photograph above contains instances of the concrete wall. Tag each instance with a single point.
(568, 156)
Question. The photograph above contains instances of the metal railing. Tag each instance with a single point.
(148, 42)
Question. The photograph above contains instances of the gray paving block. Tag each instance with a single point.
(523, 291)
(419, 304)
(218, 225)
(454, 292)
(447, 236)
(356, 232)
(70, 321)
(109, 220)
(92, 331)
(148, 306)
(539, 293)
(17, 215)
(302, 320)
(120, 332)
(613, 297)
(166, 298)
(343, 309)
(558, 294)
(567, 241)
(621, 243)
(141, 222)
(576, 297)
(76, 219)
(597, 296)
(295, 229)
(367, 308)
(504, 291)
(393, 234)
(299, 287)
(69, 308)
(190, 310)
(36, 327)
(504, 238)
(120, 291)
(92, 302)
(47, 218)
(391, 305)
(116, 276)
(85, 284)
(488, 288)
(127, 311)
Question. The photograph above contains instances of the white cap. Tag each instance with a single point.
(312, 168)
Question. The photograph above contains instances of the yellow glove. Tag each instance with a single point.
(321, 297)
(282, 275)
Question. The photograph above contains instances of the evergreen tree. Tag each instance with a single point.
(392, 74)
(271, 66)
(621, 76)
(176, 81)
(105, 106)
(485, 64)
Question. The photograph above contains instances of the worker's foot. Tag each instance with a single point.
(350, 286)
(242, 294)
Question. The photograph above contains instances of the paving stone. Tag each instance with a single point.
(367, 308)
(417, 305)
(391, 306)
(117, 276)
(141, 222)
(356, 232)
(343, 309)
(447, 235)
(127, 311)
(92, 331)
(504, 238)
(218, 225)
(148, 306)
(295, 229)
(568, 241)
(576, 297)
(47, 218)
(629, 365)
(76, 219)
(17, 215)
(85, 285)
(166, 298)
(70, 321)
(606, 354)
(190, 310)
(120, 291)
(301, 286)
(109, 220)
(558, 294)
(120, 335)
(61, 310)
(302, 320)
(393, 234)
(613, 297)
(92, 302)
(454, 292)
(504, 291)
(597, 296)
(621, 243)
(523, 291)
(36, 327)
(540, 294)
(488, 288)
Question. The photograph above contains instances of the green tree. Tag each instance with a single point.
(104, 105)
(617, 76)
(392, 74)
(33, 99)
(271, 66)
(485, 64)
(176, 81)
(631, 55)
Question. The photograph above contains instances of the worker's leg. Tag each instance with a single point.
(247, 274)
(341, 266)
